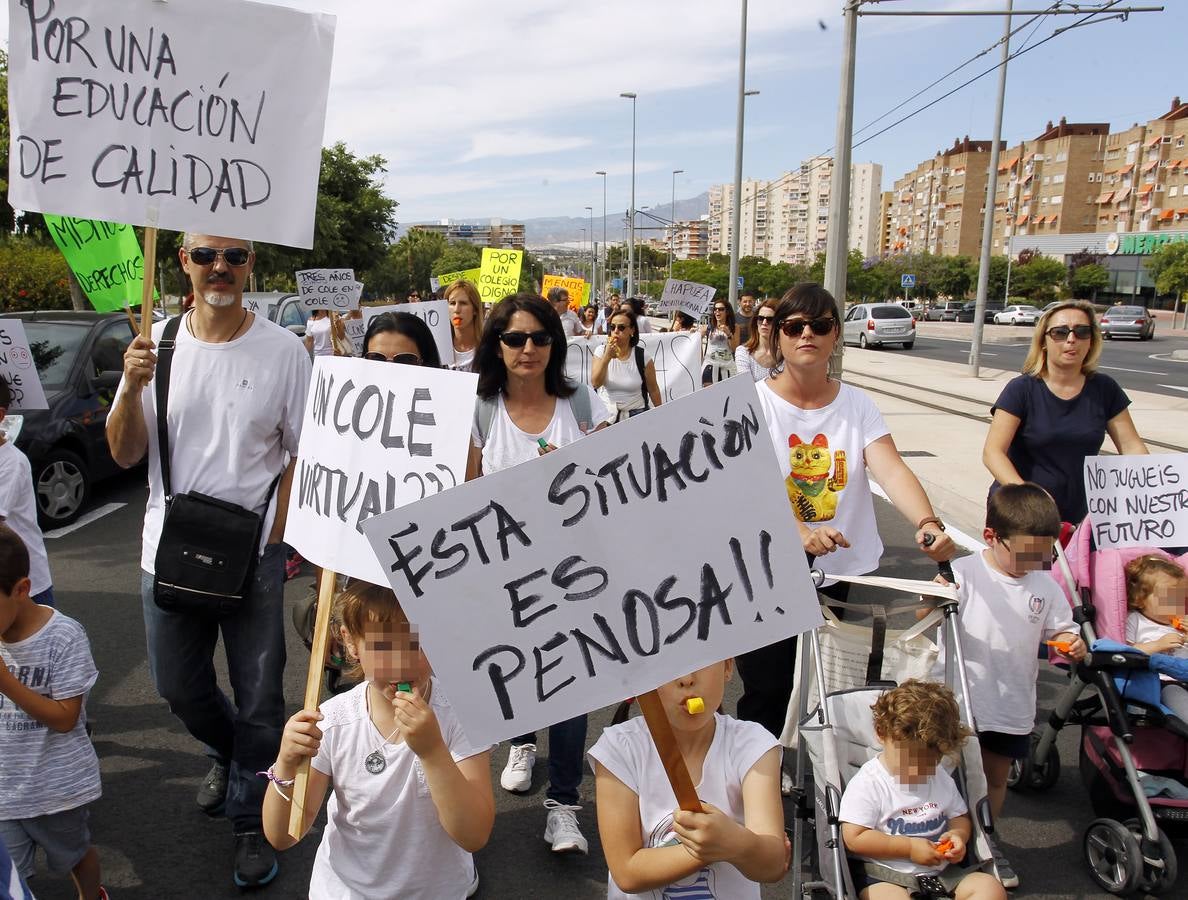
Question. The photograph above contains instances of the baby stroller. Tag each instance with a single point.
(1127, 737)
(831, 728)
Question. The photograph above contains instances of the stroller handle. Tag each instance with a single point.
(945, 568)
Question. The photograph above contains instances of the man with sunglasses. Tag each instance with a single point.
(236, 394)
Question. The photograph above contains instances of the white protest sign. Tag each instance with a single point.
(575, 580)
(676, 355)
(689, 297)
(332, 289)
(262, 304)
(18, 368)
(374, 437)
(161, 114)
(434, 313)
(356, 330)
(1138, 501)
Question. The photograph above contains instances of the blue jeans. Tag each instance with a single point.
(181, 662)
(567, 746)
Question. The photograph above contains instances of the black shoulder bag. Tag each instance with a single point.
(207, 553)
(643, 382)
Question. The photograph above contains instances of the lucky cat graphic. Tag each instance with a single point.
(811, 491)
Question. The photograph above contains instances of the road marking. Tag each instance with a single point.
(1136, 371)
(95, 514)
(1175, 387)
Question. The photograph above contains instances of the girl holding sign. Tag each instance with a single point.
(526, 408)
(466, 319)
(411, 798)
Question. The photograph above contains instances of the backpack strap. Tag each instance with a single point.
(484, 412)
(579, 402)
(643, 376)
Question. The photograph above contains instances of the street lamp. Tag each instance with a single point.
(630, 95)
(604, 255)
(593, 246)
(672, 215)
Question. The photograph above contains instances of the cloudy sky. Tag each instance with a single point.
(507, 110)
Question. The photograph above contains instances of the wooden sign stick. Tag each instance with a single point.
(670, 754)
(313, 693)
(146, 294)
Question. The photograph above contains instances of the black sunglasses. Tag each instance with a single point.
(719, 309)
(404, 359)
(517, 339)
(795, 327)
(620, 328)
(765, 320)
(233, 256)
(1061, 332)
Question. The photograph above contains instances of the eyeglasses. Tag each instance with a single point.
(765, 320)
(517, 339)
(719, 309)
(233, 256)
(404, 359)
(1061, 332)
(820, 327)
(620, 328)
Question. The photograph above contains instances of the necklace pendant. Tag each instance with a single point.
(375, 762)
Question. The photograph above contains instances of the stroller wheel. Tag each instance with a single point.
(1159, 869)
(1030, 774)
(1113, 855)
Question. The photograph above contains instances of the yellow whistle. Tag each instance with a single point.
(695, 705)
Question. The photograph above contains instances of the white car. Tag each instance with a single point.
(1017, 315)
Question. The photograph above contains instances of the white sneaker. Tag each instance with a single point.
(561, 829)
(517, 774)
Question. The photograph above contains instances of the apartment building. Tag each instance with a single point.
(1144, 176)
(496, 233)
(690, 239)
(866, 194)
(886, 204)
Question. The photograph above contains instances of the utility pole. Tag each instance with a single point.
(838, 234)
(736, 213)
(630, 95)
(602, 281)
(672, 215)
(593, 248)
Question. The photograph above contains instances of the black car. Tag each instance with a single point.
(970, 310)
(80, 358)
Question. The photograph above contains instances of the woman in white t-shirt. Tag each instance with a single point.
(466, 318)
(317, 333)
(527, 407)
(828, 436)
(754, 357)
(625, 380)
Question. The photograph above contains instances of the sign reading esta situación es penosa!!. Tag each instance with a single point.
(175, 115)
(533, 600)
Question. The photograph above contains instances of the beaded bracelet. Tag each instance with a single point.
(275, 779)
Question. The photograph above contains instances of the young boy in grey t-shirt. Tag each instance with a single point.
(48, 768)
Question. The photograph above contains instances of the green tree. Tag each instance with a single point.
(407, 264)
(1086, 280)
(1169, 267)
(458, 255)
(1038, 279)
(953, 276)
(996, 284)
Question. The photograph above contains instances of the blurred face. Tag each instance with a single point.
(389, 653)
(1019, 554)
(709, 684)
(391, 345)
(214, 280)
(530, 360)
(1070, 351)
(801, 345)
(1168, 597)
(461, 312)
(561, 304)
(911, 762)
(10, 604)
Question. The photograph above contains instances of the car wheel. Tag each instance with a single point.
(862, 341)
(1106, 336)
(62, 484)
(908, 345)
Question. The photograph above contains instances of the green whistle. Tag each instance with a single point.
(404, 686)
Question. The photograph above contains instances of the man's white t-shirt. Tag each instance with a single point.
(829, 486)
(235, 412)
(628, 752)
(875, 799)
(1002, 621)
(571, 324)
(18, 510)
(507, 445)
(383, 837)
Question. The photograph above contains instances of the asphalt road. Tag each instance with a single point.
(1136, 365)
(155, 844)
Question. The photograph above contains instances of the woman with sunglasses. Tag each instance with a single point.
(527, 407)
(624, 379)
(466, 320)
(831, 440)
(721, 339)
(754, 357)
(398, 337)
(1047, 420)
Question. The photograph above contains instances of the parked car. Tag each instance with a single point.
(264, 302)
(289, 313)
(875, 324)
(1017, 315)
(1127, 321)
(970, 310)
(80, 358)
(943, 312)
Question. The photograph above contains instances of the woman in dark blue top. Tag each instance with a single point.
(1047, 420)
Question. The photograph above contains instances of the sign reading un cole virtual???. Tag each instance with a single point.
(375, 436)
(689, 297)
(534, 600)
(1138, 501)
(176, 115)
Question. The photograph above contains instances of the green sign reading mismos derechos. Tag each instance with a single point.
(104, 256)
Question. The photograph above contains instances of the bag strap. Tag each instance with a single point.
(643, 378)
(164, 365)
(484, 412)
(580, 404)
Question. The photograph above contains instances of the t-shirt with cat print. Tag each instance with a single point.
(821, 454)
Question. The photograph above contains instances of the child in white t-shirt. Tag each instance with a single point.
(902, 809)
(18, 506)
(654, 849)
(410, 797)
(1156, 594)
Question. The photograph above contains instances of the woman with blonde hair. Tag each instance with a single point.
(1047, 420)
(466, 320)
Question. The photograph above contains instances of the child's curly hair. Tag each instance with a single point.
(921, 711)
(1141, 575)
(360, 604)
